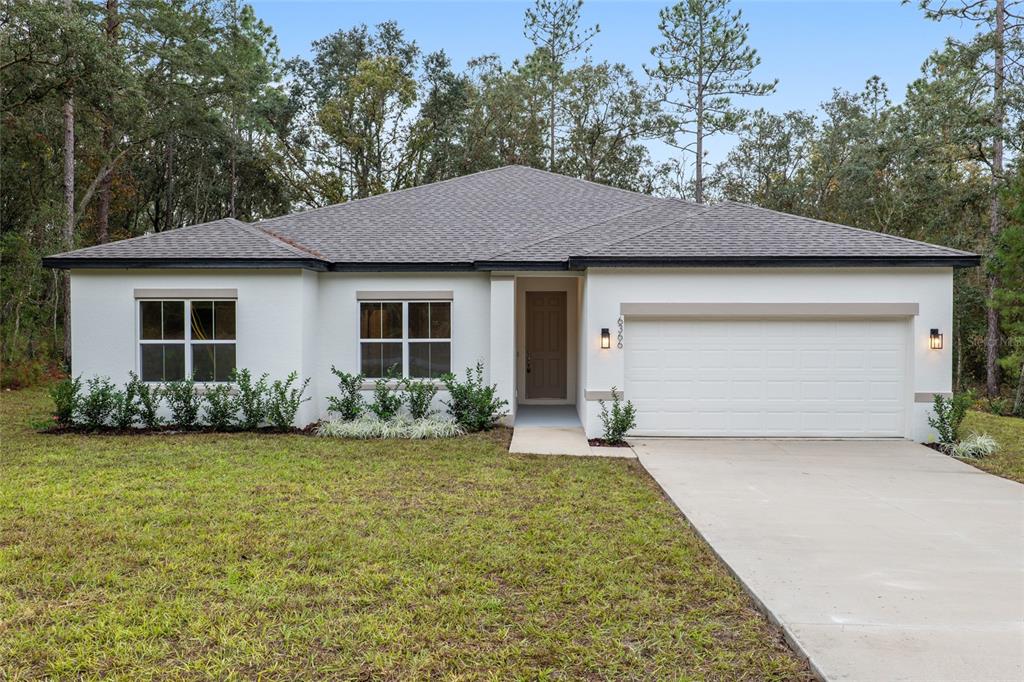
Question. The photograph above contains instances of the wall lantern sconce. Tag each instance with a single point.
(935, 340)
(606, 338)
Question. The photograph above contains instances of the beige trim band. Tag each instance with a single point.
(406, 295)
(186, 293)
(600, 395)
(759, 310)
(930, 397)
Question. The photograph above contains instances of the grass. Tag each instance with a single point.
(252, 555)
(1009, 433)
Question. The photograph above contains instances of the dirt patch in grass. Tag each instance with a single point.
(287, 557)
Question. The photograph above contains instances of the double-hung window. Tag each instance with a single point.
(405, 338)
(182, 338)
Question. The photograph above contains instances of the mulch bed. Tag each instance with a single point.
(602, 443)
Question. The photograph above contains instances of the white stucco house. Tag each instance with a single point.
(714, 320)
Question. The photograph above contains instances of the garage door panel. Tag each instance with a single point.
(767, 377)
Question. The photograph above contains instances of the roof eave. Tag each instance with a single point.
(62, 263)
(957, 261)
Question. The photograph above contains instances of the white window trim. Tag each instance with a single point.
(405, 339)
(186, 342)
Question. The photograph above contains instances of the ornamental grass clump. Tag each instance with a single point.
(975, 446)
(369, 427)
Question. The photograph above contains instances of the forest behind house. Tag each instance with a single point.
(126, 117)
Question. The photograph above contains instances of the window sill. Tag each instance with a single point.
(371, 384)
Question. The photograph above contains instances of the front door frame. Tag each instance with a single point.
(569, 283)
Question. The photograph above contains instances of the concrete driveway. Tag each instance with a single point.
(882, 560)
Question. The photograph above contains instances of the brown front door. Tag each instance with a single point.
(545, 344)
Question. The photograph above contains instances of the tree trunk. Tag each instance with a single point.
(113, 26)
(551, 129)
(69, 209)
(699, 177)
(168, 184)
(995, 210)
(1018, 401)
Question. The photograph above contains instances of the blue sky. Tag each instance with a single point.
(811, 46)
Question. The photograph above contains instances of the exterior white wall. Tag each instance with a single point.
(287, 320)
(304, 321)
(336, 324)
(270, 327)
(931, 288)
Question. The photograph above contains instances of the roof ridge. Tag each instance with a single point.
(649, 230)
(287, 244)
(382, 194)
(583, 180)
(573, 230)
(850, 227)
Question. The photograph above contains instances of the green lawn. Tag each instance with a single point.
(237, 556)
(1009, 432)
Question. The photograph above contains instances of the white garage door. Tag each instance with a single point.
(813, 378)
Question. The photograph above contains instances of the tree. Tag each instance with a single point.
(608, 114)
(703, 63)
(346, 128)
(553, 28)
(768, 165)
(998, 45)
(1007, 265)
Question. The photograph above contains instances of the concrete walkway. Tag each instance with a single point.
(555, 430)
(882, 560)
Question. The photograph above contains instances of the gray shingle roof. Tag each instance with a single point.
(220, 239)
(512, 217)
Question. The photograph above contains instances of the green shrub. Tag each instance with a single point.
(948, 414)
(386, 401)
(126, 409)
(184, 402)
(974, 446)
(619, 420)
(419, 395)
(251, 401)
(284, 401)
(66, 395)
(97, 403)
(148, 399)
(220, 407)
(350, 405)
(472, 403)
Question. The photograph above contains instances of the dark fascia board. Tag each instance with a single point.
(402, 267)
(573, 263)
(521, 265)
(183, 263)
(965, 261)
